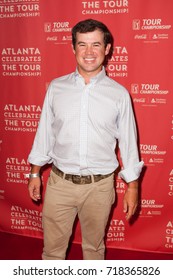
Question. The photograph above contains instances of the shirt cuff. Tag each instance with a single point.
(40, 161)
(131, 173)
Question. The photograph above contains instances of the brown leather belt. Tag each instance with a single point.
(77, 179)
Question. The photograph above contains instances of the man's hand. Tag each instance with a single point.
(34, 185)
(130, 201)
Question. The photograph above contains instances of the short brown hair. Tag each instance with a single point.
(90, 25)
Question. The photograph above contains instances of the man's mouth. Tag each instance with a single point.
(89, 59)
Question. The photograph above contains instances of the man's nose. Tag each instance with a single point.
(89, 49)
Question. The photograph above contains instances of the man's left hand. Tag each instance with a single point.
(130, 201)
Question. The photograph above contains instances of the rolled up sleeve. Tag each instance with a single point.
(131, 166)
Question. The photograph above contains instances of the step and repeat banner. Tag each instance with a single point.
(35, 47)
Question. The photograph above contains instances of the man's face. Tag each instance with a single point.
(90, 52)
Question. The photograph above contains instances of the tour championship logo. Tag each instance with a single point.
(58, 32)
(150, 29)
(118, 64)
(19, 9)
(104, 7)
(23, 62)
(149, 94)
(21, 118)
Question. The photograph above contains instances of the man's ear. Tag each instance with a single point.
(73, 49)
(107, 49)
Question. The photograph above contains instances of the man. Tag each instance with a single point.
(84, 114)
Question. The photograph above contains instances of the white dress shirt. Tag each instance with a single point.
(81, 124)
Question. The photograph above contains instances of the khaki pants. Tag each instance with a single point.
(63, 201)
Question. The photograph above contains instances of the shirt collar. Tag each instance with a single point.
(93, 80)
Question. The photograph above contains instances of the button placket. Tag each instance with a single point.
(84, 127)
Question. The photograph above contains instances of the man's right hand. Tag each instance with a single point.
(34, 185)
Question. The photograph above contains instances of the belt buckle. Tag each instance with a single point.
(81, 180)
(76, 179)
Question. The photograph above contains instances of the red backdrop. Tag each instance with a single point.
(35, 48)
